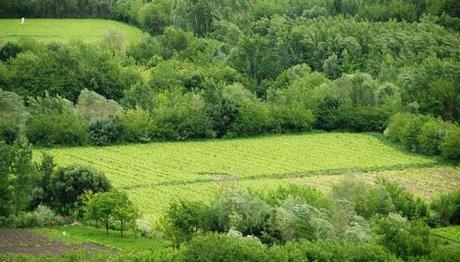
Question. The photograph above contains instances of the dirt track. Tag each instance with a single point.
(26, 242)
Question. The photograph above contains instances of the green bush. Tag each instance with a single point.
(336, 250)
(404, 202)
(447, 208)
(68, 183)
(450, 147)
(411, 132)
(214, 247)
(60, 129)
(253, 118)
(396, 126)
(136, 126)
(408, 240)
(291, 118)
(104, 131)
(430, 137)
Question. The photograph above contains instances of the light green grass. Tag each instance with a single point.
(156, 174)
(83, 234)
(46, 30)
(132, 166)
(450, 233)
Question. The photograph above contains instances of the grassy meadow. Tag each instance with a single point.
(156, 174)
(46, 30)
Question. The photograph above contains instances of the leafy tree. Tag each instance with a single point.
(112, 206)
(68, 183)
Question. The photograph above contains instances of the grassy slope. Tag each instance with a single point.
(82, 234)
(87, 30)
(158, 173)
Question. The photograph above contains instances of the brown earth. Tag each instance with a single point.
(26, 242)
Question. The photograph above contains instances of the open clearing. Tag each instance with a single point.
(46, 30)
(27, 242)
(156, 174)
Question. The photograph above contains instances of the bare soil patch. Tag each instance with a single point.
(26, 242)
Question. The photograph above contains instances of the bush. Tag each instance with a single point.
(450, 147)
(214, 247)
(396, 126)
(60, 129)
(104, 131)
(253, 118)
(136, 126)
(430, 137)
(335, 250)
(293, 117)
(69, 183)
(447, 208)
(411, 132)
(404, 202)
(403, 238)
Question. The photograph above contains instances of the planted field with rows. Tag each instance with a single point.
(157, 173)
(46, 30)
(131, 166)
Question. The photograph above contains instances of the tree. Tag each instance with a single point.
(112, 206)
(70, 182)
(23, 175)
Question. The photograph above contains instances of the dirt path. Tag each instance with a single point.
(26, 242)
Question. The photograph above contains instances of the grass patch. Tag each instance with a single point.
(274, 156)
(83, 234)
(450, 233)
(46, 30)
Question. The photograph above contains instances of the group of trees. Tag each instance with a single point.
(32, 193)
(230, 69)
(203, 17)
(425, 134)
(356, 222)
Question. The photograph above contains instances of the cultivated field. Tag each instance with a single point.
(87, 30)
(155, 174)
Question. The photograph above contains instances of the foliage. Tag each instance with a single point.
(112, 206)
(104, 131)
(451, 144)
(68, 183)
(403, 238)
(447, 207)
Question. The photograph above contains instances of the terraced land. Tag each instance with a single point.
(46, 30)
(157, 173)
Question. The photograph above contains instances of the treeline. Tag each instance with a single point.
(270, 74)
(203, 17)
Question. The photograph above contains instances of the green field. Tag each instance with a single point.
(450, 233)
(156, 174)
(87, 30)
(84, 234)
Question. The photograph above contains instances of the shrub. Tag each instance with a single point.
(430, 137)
(447, 208)
(136, 126)
(214, 247)
(253, 118)
(396, 126)
(68, 183)
(450, 147)
(104, 131)
(335, 250)
(366, 119)
(404, 202)
(310, 195)
(366, 200)
(60, 129)
(411, 132)
(403, 238)
(292, 117)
